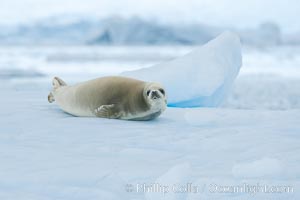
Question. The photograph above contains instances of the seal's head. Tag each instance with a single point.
(155, 96)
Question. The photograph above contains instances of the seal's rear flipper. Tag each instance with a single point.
(51, 98)
(56, 82)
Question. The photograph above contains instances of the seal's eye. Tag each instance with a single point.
(162, 91)
(148, 92)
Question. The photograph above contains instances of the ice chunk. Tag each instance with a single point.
(19, 73)
(200, 78)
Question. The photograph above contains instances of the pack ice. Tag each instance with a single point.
(202, 78)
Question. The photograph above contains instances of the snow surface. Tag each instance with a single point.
(252, 140)
(200, 78)
(48, 154)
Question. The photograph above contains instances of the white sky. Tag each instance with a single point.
(240, 13)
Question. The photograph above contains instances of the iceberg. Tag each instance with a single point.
(201, 78)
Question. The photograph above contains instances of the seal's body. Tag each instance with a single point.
(110, 97)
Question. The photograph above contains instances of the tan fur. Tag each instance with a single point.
(111, 97)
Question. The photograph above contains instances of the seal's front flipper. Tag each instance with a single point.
(107, 111)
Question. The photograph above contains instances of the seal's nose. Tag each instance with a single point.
(155, 94)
